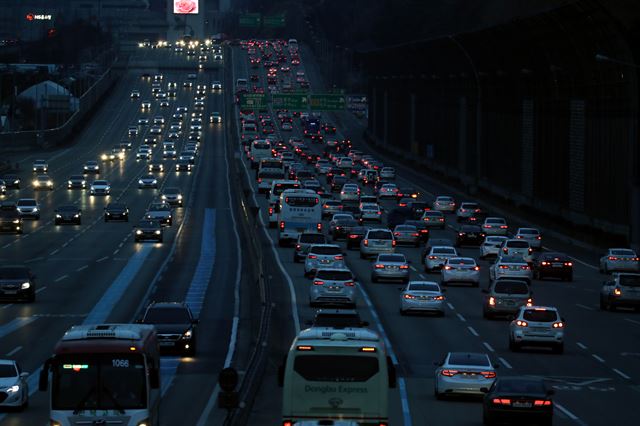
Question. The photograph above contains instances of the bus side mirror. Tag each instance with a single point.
(391, 372)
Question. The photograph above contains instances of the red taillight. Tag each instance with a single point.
(538, 237)
(397, 234)
(287, 423)
(318, 282)
(541, 402)
(312, 256)
(501, 401)
(378, 212)
(486, 226)
(270, 211)
(505, 250)
(612, 258)
(379, 266)
(568, 264)
(525, 267)
(476, 268)
(404, 266)
(529, 302)
(415, 234)
(353, 236)
(338, 257)
(366, 242)
(409, 296)
(544, 263)
(259, 180)
(447, 267)
(432, 257)
(349, 283)
(449, 373)
(319, 226)
(503, 226)
(393, 243)
(488, 374)
(282, 225)
(503, 267)
(297, 247)
(617, 292)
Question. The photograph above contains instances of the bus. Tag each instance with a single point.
(260, 149)
(300, 211)
(104, 374)
(273, 195)
(270, 169)
(336, 374)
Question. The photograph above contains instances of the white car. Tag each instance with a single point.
(530, 235)
(350, 192)
(13, 385)
(43, 182)
(495, 226)
(444, 203)
(100, 187)
(460, 270)
(463, 373)
(422, 296)
(388, 190)
(370, 212)
(215, 118)
(135, 94)
(466, 210)
(619, 260)
(28, 207)
(537, 326)
(491, 246)
(323, 256)
(148, 181)
(515, 247)
(376, 241)
(216, 85)
(387, 173)
(145, 105)
(510, 267)
(437, 257)
(433, 219)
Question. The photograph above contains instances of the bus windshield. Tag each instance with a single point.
(301, 201)
(336, 368)
(99, 382)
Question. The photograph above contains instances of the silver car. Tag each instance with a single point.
(537, 326)
(437, 256)
(323, 256)
(422, 296)
(333, 286)
(530, 235)
(172, 196)
(463, 373)
(331, 207)
(491, 246)
(434, 219)
(350, 192)
(466, 210)
(517, 247)
(461, 270)
(100, 187)
(14, 384)
(407, 234)
(370, 212)
(505, 297)
(376, 241)
(444, 203)
(510, 267)
(619, 260)
(622, 291)
(387, 173)
(28, 207)
(304, 243)
(393, 266)
(495, 226)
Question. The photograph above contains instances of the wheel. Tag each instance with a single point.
(437, 394)
(374, 279)
(362, 256)
(402, 312)
(569, 277)
(513, 346)
(605, 270)
(24, 405)
(32, 297)
(559, 348)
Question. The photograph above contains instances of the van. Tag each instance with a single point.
(505, 297)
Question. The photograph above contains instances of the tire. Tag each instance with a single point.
(513, 346)
(24, 405)
(605, 270)
(38, 217)
(559, 349)
(403, 312)
(362, 256)
(569, 277)
(374, 279)
(31, 298)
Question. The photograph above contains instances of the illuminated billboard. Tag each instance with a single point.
(185, 7)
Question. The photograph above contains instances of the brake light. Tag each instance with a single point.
(461, 233)
(393, 243)
(366, 242)
(409, 296)
(438, 298)
(538, 237)
(282, 225)
(349, 283)
(297, 247)
(524, 267)
(287, 423)
(521, 323)
(449, 373)
(543, 263)
(541, 402)
(432, 257)
(378, 212)
(530, 250)
(397, 234)
(312, 256)
(501, 401)
(505, 250)
(353, 236)
(612, 258)
(492, 301)
(319, 226)
(486, 226)
(304, 348)
(259, 180)
(447, 267)
(476, 268)
(379, 266)
(415, 234)
(529, 302)
(518, 236)
(558, 325)
(338, 257)
(488, 374)
(404, 266)
(503, 267)
(318, 282)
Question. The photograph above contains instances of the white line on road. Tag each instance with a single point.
(580, 305)
(473, 331)
(598, 358)
(14, 351)
(82, 268)
(53, 253)
(6, 306)
(451, 306)
(581, 346)
(413, 268)
(461, 318)
(621, 374)
(116, 251)
(488, 346)
(632, 321)
(41, 289)
(566, 412)
(504, 362)
(102, 259)
(422, 276)
(63, 277)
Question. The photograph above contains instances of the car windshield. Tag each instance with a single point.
(159, 207)
(392, 258)
(100, 182)
(495, 221)
(8, 370)
(517, 244)
(380, 235)
(325, 250)
(13, 273)
(528, 232)
(167, 316)
(171, 191)
(540, 315)
(27, 203)
(461, 358)
(511, 287)
(423, 287)
(520, 386)
(334, 275)
(623, 252)
(449, 251)
(148, 224)
(629, 280)
(461, 261)
(312, 238)
(68, 209)
(406, 228)
(512, 259)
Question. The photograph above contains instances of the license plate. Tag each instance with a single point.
(522, 404)
(165, 343)
(471, 235)
(392, 267)
(11, 292)
(334, 289)
(324, 261)
(557, 265)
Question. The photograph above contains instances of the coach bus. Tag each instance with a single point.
(300, 211)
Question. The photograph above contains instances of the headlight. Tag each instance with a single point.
(140, 182)
(158, 232)
(16, 221)
(13, 389)
(154, 182)
(25, 286)
(164, 197)
(35, 209)
(187, 334)
(76, 215)
(179, 197)
(50, 183)
(35, 183)
(58, 216)
(138, 232)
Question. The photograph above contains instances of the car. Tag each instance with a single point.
(148, 229)
(133, 131)
(495, 226)
(143, 121)
(337, 318)
(511, 267)
(444, 203)
(422, 296)
(135, 94)
(43, 182)
(216, 85)
(619, 260)
(333, 286)
(116, 211)
(404, 202)
(15, 386)
(189, 156)
(532, 236)
(437, 256)
(11, 181)
(370, 212)
(148, 181)
(434, 219)
(286, 127)
(340, 228)
(399, 215)
(10, 219)
(466, 209)
(387, 173)
(17, 282)
(421, 227)
(215, 118)
(331, 207)
(3, 187)
(183, 165)
(158, 120)
(464, 373)
(323, 256)
(349, 193)
(377, 241)
(28, 208)
(160, 211)
(460, 270)
(155, 166)
(172, 196)
(336, 218)
(537, 326)
(517, 247)
(516, 400)
(623, 290)
(407, 234)
(155, 130)
(143, 154)
(109, 156)
(175, 326)
(100, 187)
(337, 182)
(144, 105)
(469, 235)
(388, 190)
(390, 266)
(506, 296)
(355, 236)
(91, 166)
(304, 242)
(553, 264)
(68, 213)
(40, 166)
(491, 246)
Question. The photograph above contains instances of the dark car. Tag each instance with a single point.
(470, 235)
(76, 181)
(337, 182)
(422, 228)
(407, 192)
(116, 211)
(516, 400)
(174, 324)
(342, 228)
(477, 218)
(337, 318)
(148, 229)
(352, 209)
(68, 214)
(17, 283)
(11, 181)
(398, 216)
(557, 265)
(10, 219)
(356, 234)
(334, 172)
(418, 207)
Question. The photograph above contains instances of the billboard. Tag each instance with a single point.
(185, 7)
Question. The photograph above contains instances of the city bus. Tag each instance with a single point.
(104, 374)
(336, 374)
(273, 195)
(300, 211)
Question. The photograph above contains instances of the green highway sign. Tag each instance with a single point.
(327, 102)
(250, 20)
(253, 100)
(293, 101)
(274, 21)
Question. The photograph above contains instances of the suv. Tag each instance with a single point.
(333, 287)
(537, 326)
(376, 241)
(323, 256)
(10, 219)
(505, 297)
(337, 318)
(174, 324)
(517, 247)
(17, 283)
(622, 290)
(40, 166)
(28, 207)
(304, 243)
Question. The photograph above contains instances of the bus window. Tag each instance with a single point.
(301, 201)
(336, 368)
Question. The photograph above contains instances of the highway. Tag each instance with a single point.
(95, 272)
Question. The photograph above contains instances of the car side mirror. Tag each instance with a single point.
(24, 374)
(484, 390)
(484, 290)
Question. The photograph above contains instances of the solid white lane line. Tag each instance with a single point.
(621, 374)
(116, 251)
(413, 268)
(422, 276)
(581, 346)
(632, 321)
(461, 318)
(53, 253)
(504, 362)
(6, 306)
(565, 411)
(451, 306)
(14, 351)
(488, 346)
(63, 277)
(41, 289)
(598, 358)
(473, 331)
(588, 308)
(82, 268)
(102, 259)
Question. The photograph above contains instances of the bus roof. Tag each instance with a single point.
(299, 191)
(343, 336)
(106, 338)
